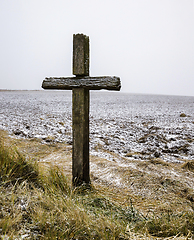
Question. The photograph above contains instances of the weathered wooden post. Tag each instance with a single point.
(80, 86)
(80, 112)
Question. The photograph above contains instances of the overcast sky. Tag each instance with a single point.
(149, 44)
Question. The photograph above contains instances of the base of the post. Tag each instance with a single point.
(80, 155)
(80, 183)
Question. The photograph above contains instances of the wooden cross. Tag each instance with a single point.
(80, 86)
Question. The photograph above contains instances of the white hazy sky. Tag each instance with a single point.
(149, 44)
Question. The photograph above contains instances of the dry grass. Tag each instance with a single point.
(150, 199)
(43, 205)
(189, 165)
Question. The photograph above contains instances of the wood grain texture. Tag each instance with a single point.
(80, 127)
(80, 55)
(90, 83)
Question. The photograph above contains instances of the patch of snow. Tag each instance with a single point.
(120, 123)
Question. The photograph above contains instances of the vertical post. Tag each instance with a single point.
(80, 55)
(80, 155)
(80, 113)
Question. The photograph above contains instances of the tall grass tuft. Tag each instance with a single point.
(14, 168)
(168, 224)
(189, 165)
(56, 182)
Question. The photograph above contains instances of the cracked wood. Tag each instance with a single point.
(91, 83)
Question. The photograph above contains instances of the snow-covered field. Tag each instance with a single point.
(133, 126)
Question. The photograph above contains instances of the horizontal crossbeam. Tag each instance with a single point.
(91, 83)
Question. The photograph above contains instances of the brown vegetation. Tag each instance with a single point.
(128, 199)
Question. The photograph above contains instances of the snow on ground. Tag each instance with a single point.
(130, 125)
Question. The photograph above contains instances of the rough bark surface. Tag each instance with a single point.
(91, 83)
(80, 55)
(80, 117)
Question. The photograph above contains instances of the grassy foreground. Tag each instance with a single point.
(39, 203)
